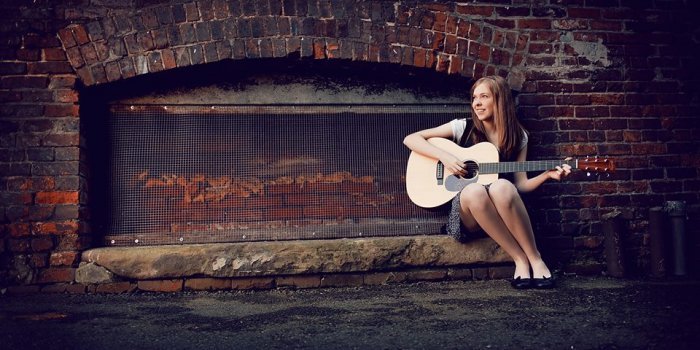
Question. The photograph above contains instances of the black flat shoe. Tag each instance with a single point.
(543, 283)
(521, 283)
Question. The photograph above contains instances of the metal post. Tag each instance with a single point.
(677, 215)
(613, 227)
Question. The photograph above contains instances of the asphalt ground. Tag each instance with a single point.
(581, 313)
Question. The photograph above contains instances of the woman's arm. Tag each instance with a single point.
(524, 185)
(418, 142)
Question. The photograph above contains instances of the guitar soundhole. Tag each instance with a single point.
(472, 169)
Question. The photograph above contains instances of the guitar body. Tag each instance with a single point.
(430, 185)
(423, 185)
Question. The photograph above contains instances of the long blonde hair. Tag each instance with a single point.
(510, 131)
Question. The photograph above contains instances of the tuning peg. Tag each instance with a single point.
(588, 174)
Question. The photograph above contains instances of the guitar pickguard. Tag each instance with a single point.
(456, 184)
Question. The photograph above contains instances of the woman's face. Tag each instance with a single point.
(482, 102)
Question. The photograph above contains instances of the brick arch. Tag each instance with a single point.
(452, 39)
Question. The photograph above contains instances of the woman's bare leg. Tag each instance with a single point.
(512, 210)
(477, 209)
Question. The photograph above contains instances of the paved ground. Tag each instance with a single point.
(583, 313)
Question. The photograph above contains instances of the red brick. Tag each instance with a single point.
(56, 228)
(42, 244)
(76, 288)
(648, 149)
(85, 75)
(19, 229)
(426, 275)
(588, 242)
(61, 110)
(253, 283)
(60, 140)
(443, 63)
(534, 23)
(342, 280)
(80, 34)
(298, 281)
(168, 58)
(57, 197)
(192, 14)
(419, 57)
(513, 11)
(451, 25)
(66, 95)
(501, 272)
(67, 37)
(207, 283)
(29, 54)
(50, 67)
(14, 198)
(56, 274)
(583, 12)
(112, 71)
(439, 23)
(486, 11)
(73, 242)
(114, 288)
(161, 285)
(54, 54)
(614, 26)
(64, 258)
(460, 273)
(19, 82)
(377, 278)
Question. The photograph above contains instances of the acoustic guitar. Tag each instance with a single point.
(430, 185)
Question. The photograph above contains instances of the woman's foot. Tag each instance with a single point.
(521, 276)
(522, 269)
(541, 276)
(543, 283)
(521, 283)
(540, 270)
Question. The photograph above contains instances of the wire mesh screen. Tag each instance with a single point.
(196, 174)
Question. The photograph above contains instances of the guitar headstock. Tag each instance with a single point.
(596, 165)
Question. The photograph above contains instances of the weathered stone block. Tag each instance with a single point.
(90, 273)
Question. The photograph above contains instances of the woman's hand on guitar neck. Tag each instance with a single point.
(560, 172)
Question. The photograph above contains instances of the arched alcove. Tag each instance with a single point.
(263, 149)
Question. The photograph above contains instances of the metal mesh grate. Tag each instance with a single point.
(195, 174)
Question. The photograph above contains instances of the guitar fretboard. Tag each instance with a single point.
(515, 167)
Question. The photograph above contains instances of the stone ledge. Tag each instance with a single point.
(225, 260)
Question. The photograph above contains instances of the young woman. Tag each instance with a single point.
(497, 208)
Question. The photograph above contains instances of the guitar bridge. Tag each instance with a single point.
(440, 173)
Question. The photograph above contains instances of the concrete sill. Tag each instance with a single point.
(252, 259)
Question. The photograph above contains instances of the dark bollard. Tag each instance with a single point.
(613, 227)
(656, 242)
(676, 213)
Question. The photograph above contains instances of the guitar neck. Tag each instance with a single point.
(516, 167)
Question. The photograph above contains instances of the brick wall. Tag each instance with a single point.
(614, 77)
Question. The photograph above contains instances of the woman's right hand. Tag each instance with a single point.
(453, 165)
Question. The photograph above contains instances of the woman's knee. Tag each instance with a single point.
(503, 191)
(474, 196)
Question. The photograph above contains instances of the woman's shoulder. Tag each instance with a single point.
(458, 127)
(524, 140)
